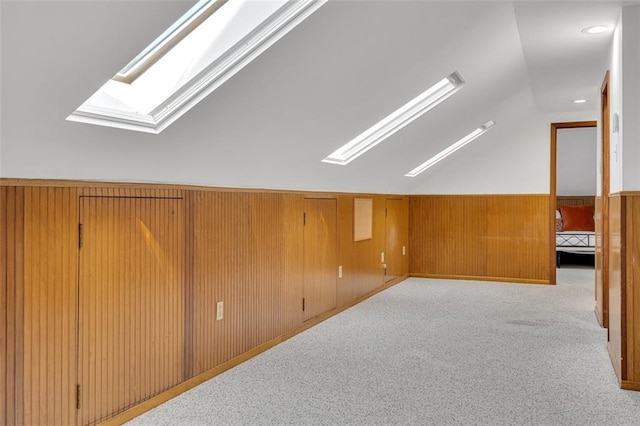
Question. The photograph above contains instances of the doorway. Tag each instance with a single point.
(602, 213)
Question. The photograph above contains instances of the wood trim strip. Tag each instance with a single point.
(630, 385)
(476, 195)
(105, 185)
(209, 374)
(477, 278)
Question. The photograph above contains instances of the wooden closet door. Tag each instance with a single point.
(131, 302)
(393, 240)
(320, 260)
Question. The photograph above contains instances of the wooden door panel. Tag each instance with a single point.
(131, 298)
(320, 260)
(393, 239)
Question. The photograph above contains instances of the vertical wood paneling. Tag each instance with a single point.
(15, 305)
(360, 260)
(479, 236)
(320, 261)
(49, 326)
(243, 248)
(267, 237)
(602, 296)
(616, 285)
(219, 274)
(447, 235)
(131, 289)
(632, 287)
(346, 287)
(294, 262)
(516, 243)
(3, 305)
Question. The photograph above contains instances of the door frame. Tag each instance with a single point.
(605, 182)
(553, 190)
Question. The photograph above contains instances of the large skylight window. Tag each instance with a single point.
(451, 149)
(203, 49)
(396, 120)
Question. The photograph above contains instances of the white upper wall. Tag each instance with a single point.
(630, 122)
(344, 68)
(576, 161)
(624, 93)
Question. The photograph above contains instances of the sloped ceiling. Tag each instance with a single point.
(343, 69)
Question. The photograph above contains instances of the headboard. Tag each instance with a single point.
(575, 200)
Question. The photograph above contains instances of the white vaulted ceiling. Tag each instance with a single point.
(344, 68)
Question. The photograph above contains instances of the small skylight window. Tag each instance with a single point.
(198, 53)
(450, 150)
(396, 120)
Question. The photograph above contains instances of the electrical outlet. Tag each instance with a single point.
(340, 271)
(404, 251)
(219, 310)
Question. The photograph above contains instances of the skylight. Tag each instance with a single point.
(450, 150)
(203, 49)
(396, 120)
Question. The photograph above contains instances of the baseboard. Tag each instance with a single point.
(615, 364)
(165, 396)
(630, 385)
(478, 278)
(598, 317)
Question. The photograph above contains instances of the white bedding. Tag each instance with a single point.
(576, 241)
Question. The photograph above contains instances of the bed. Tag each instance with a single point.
(574, 229)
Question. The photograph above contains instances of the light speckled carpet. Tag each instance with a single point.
(429, 352)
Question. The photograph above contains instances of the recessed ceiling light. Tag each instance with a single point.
(396, 120)
(450, 150)
(579, 101)
(596, 29)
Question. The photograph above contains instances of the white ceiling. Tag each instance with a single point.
(344, 68)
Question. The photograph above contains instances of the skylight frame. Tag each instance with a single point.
(452, 148)
(188, 22)
(396, 120)
(216, 73)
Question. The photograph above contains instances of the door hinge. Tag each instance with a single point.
(78, 396)
(304, 219)
(80, 235)
(303, 300)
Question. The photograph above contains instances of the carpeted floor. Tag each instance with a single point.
(429, 352)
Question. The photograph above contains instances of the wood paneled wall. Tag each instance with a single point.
(601, 288)
(243, 248)
(616, 284)
(3, 305)
(503, 237)
(131, 302)
(624, 288)
(575, 200)
(632, 290)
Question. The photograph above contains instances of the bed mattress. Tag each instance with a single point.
(576, 241)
